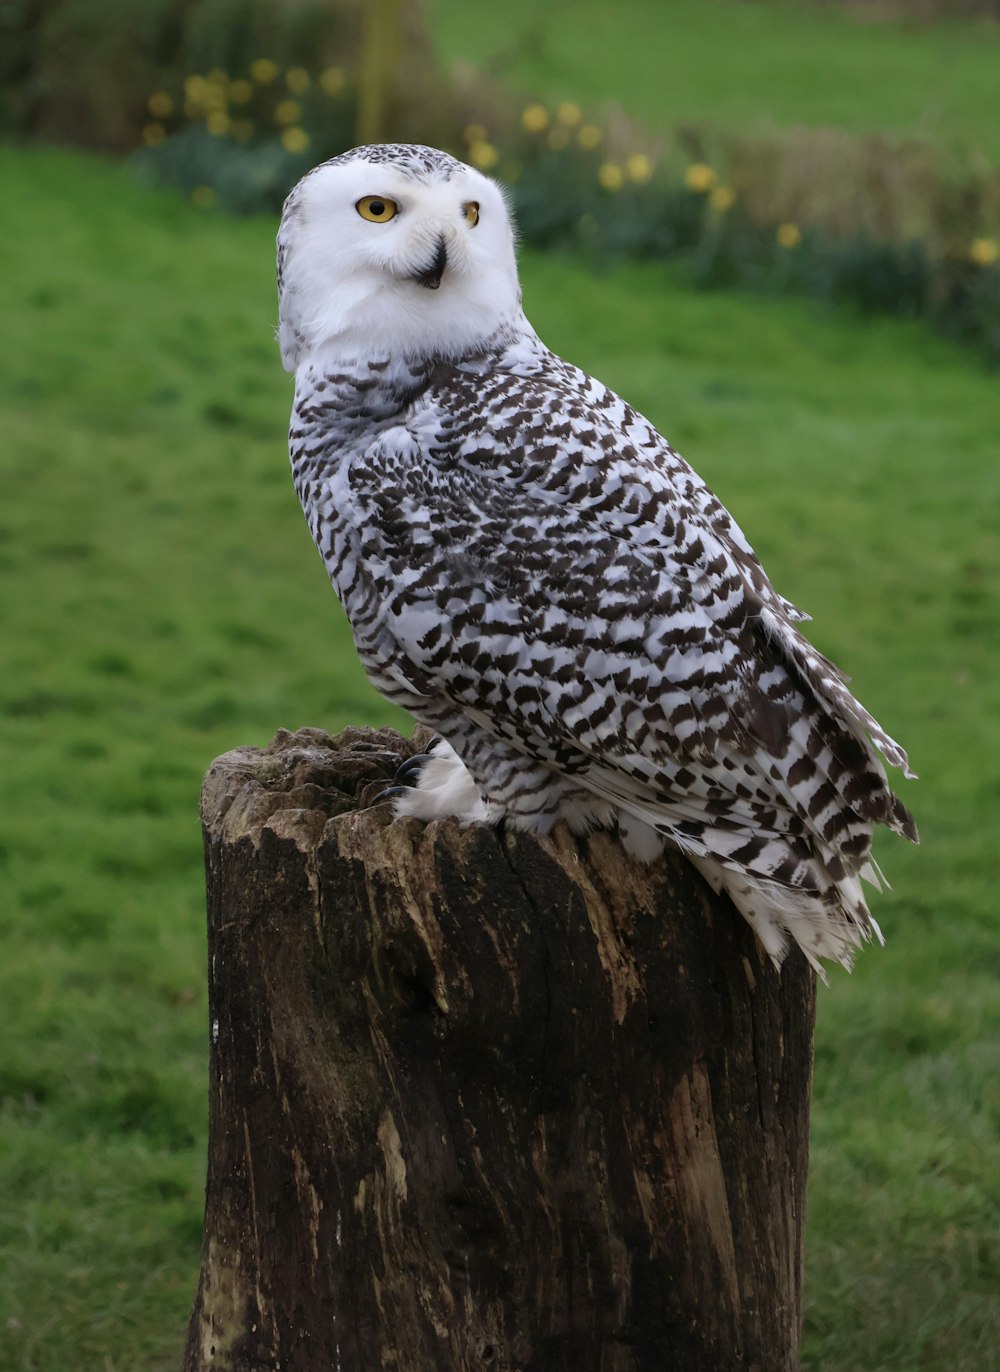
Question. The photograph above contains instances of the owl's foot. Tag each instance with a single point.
(436, 784)
(408, 773)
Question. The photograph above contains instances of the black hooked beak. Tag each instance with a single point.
(431, 276)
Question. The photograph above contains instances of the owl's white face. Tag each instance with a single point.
(377, 257)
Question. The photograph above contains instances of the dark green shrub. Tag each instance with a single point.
(884, 278)
(81, 71)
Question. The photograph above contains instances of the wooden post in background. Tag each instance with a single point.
(483, 1102)
(381, 50)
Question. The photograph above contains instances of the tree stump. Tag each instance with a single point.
(481, 1101)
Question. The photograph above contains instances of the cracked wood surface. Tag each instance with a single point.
(480, 1101)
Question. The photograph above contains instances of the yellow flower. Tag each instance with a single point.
(483, 155)
(218, 77)
(288, 112)
(789, 235)
(160, 104)
(203, 197)
(295, 140)
(589, 136)
(217, 123)
(242, 130)
(611, 176)
(263, 71)
(569, 114)
(984, 251)
(153, 135)
(722, 198)
(297, 80)
(699, 177)
(195, 89)
(638, 168)
(332, 80)
(535, 118)
(474, 133)
(558, 139)
(241, 92)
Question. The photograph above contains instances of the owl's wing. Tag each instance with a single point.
(542, 428)
(648, 665)
(589, 442)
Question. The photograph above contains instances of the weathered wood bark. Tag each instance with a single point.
(484, 1102)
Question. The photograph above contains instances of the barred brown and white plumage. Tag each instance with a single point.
(532, 570)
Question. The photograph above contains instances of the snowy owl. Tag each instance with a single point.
(531, 569)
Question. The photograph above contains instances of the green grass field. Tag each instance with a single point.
(737, 65)
(163, 603)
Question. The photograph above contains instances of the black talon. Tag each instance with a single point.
(408, 771)
(390, 793)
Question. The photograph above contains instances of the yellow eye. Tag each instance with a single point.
(471, 212)
(377, 209)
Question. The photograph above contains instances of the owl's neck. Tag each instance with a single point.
(343, 400)
(357, 388)
(372, 382)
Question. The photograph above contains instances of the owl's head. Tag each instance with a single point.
(394, 249)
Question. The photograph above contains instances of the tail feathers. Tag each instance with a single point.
(873, 874)
(824, 925)
(828, 682)
(787, 890)
(790, 888)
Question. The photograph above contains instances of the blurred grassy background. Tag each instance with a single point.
(749, 67)
(163, 603)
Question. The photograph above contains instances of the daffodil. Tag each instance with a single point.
(241, 91)
(483, 155)
(160, 104)
(332, 80)
(789, 235)
(295, 140)
(569, 114)
(610, 176)
(984, 251)
(263, 71)
(287, 112)
(153, 135)
(638, 168)
(535, 118)
(589, 137)
(722, 198)
(699, 177)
